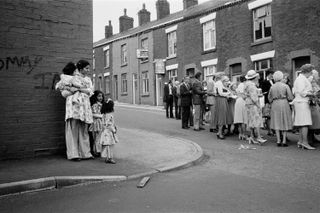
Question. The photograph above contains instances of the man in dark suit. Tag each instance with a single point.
(265, 87)
(197, 101)
(186, 94)
(168, 98)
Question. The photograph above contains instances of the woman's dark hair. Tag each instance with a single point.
(197, 75)
(69, 68)
(107, 107)
(242, 78)
(94, 97)
(82, 64)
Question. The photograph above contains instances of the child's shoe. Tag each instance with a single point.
(110, 160)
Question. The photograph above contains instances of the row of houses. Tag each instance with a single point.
(219, 35)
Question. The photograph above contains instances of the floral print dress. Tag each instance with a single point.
(82, 110)
(108, 135)
(253, 105)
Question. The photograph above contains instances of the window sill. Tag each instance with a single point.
(145, 95)
(208, 51)
(267, 40)
(171, 57)
(124, 94)
(123, 65)
(143, 62)
(107, 67)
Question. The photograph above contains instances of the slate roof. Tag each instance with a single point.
(192, 12)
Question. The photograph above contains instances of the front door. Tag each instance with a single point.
(115, 94)
(297, 63)
(159, 90)
(134, 87)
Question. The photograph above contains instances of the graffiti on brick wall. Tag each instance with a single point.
(52, 77)
(24, 63)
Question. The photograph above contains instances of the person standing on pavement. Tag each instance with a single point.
(197, 101)
(265, 86)
(168, 98)
(302, 88)
(95, 128)
(78, 117)
(281, 118)
(252, 95)
(240, 111)
(211, 101)
(176, 99)
(108, 138)
(186, 95)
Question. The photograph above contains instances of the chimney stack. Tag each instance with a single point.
(189, 3)
(125, 22)
(108, 31)
(163, 9)
(143, 15)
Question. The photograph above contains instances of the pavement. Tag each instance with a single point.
(138, 154)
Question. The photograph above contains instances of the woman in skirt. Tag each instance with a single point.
(279, 97)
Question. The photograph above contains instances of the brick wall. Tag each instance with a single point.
(37, 38)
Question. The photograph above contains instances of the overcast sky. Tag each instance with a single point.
(105, 10)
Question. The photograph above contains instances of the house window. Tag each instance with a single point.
(124, 54)
(107, 84)
(262, 66)
(209, 35)
(106, 59)
(145, 82)
(235, 72)
(124, 86)
(173, 74)
(262, 22)
(172, 44)
(144, 46)
(209, 71)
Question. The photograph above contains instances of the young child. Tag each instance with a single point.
(70, 81)
(108, 137)
(96, 103)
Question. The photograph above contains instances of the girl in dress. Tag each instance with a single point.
(108, 137)
(96, 103)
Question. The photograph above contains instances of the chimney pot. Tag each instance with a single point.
(125, 11)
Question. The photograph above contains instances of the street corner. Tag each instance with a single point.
(156, 151)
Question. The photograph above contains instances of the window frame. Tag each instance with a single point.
(212, 40)
(173, 78)
(145, 82)
(107, 84)
(257, 64)
(172, 44)
(124, 83)
(207, 75)
(263, 21)
(106, 58)
(124, 54)
(142, 46)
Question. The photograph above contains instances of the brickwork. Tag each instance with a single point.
(37, 38)
(294, 30)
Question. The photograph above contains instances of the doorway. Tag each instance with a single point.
(134, 87)
(159, 90)
(115, 83)
(297, 63)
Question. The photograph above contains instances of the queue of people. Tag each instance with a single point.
(246, 106)
(87, 114)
